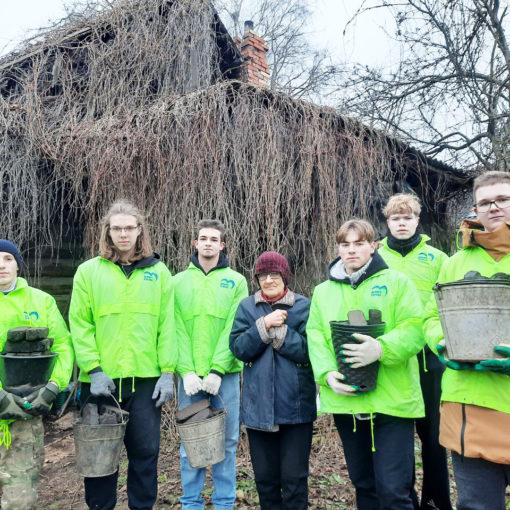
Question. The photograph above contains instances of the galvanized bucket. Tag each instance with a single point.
(204, 441)
(97, 447)
(475, 316)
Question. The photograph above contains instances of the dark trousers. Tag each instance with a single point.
(383, 478)
(142, 448)
(280, 463)
(436, 480)
(481, 484)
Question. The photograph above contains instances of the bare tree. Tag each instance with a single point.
(296, 67)
(450, 93)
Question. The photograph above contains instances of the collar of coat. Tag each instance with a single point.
(222, 262)
(376, 264)
(288, 300)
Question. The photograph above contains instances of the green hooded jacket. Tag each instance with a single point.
(205, 307)
(485, 389)
(398, 391)
(28, 306)
(124, 325)
(422, 265)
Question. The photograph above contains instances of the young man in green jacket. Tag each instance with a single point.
(407, 251)
(121, 318)
(475, 399)
(376, 427)
(207, 295)
(21, 426)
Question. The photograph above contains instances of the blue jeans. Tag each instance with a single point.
(481, 484)
(223, 473)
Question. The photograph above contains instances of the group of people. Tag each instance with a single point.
(134, 326)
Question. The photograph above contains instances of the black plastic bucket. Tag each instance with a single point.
(365, 378)
(22, 374)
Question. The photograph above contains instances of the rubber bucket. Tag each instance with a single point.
(21, 374)
(475, 316)
(98, 447)
(365, 378)
(204, 441)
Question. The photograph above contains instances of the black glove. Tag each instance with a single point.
(42, 399)
(12, 407)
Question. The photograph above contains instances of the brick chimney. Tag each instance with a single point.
(253, 49)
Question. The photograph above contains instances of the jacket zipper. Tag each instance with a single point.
(462, 431)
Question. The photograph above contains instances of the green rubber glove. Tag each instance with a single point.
(12, 407)
(454, 365)
(42, 399)
(500, 366)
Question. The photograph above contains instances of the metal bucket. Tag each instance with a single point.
(97, 447)
(475, 316)
(204, 441)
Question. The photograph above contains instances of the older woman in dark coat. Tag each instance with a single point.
(278, 392)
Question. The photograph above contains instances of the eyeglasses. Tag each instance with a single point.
(129, 230)
(500, 203)
(273, 276)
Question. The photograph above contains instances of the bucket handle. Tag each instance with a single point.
(98, 396)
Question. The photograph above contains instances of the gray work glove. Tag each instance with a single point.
(164, 389)
(12, 407)
(212, 384)
(42, 399)
(192, 383)
(101, 384)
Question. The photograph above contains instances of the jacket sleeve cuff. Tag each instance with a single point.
(265, 335)
(216, 372)
(95, 370)
(280, 332)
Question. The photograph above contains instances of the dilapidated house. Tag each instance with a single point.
(152, 100)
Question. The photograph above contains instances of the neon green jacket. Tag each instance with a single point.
(398, 391)
(485, 389)
(124, 325)
(28, 306)
(205, 307)
(422, 265)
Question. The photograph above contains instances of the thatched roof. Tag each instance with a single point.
(134, 116)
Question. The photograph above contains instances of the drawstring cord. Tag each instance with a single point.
(120, 389)
(354, 423)
(424, 360)
(372, 430)
(5, 434)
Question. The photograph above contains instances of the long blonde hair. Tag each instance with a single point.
(143, 246)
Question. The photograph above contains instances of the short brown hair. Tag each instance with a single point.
(363, 228)
(488, 178)
(143, 247)
(402, 203)
(216, 224)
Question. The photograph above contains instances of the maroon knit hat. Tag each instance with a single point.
(272, 262)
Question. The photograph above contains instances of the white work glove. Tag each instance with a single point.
(333, 379)
(164, 389)
(363, 354)
(212, 384)
(192, 383)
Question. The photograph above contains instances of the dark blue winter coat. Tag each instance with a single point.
(278, 386)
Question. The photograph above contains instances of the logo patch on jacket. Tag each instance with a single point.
(150, 277)
(227, 284)
(379, 290)
(31, 316)
(425, 257)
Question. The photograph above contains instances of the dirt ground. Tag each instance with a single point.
(62, 488)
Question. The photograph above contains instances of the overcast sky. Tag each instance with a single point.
(365, 41)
